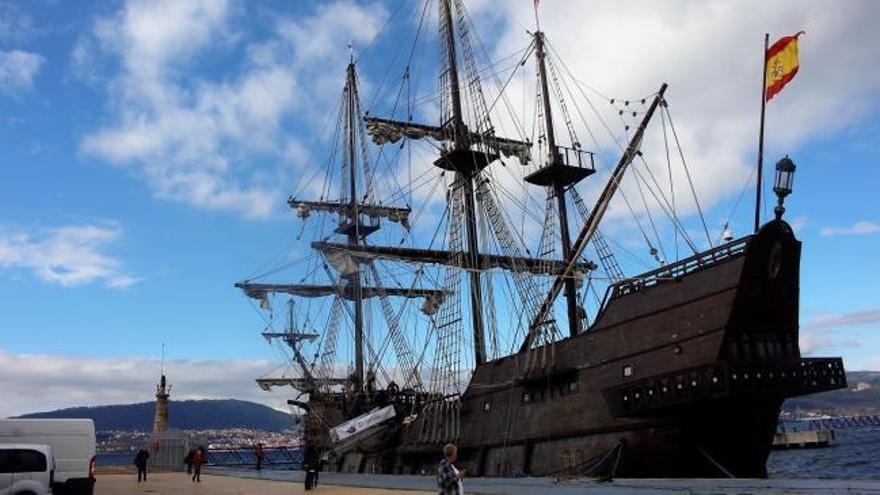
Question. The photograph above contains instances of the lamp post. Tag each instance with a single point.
(782, 184)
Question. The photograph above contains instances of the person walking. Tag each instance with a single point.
(449, 478)
(188, 460)
(140, 461)
(310, 465)
(259, 454)
(198, 460)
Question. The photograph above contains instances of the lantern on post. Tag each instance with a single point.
(782, 184)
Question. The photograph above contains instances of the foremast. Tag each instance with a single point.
(558, 175)
(591, 223)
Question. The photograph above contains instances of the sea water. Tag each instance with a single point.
(855, 454)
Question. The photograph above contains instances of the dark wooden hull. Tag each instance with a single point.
(681, 375)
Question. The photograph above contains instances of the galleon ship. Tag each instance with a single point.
(458, 288)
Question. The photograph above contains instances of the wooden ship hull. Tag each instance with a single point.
(682, 374)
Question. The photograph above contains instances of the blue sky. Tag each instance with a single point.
(147, 148)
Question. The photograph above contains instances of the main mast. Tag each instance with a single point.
(464, 173)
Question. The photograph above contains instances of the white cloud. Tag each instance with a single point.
(863, 227)
(710, 53)
(18, 69)
(817, 335)
(40, 382)
(214, 143)
(798, 224)
(68, 256)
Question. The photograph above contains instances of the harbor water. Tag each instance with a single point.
(852, 456)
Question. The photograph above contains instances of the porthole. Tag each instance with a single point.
(627, 371)
(487, 406)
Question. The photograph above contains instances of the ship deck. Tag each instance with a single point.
(548, 486)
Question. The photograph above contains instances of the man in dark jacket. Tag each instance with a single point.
(198, 460)
(310, 465)
(188, 460)
(449, 478)
(140, 461)
(260, 455)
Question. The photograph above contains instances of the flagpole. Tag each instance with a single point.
(758, 181)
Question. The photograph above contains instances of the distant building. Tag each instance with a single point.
(167, 446)
(160, 422)
(862, 386)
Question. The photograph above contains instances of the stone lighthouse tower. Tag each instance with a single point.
(163, 392)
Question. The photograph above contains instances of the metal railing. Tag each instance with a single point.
(281, 457)
(576, 157)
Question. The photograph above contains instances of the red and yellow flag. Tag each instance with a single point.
(782, 64)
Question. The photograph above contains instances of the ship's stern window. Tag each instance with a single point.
(627, 371)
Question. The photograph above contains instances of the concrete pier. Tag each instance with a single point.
(803, 439)
(180, 484)
(548, 486)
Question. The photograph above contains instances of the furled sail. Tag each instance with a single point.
(390, 131)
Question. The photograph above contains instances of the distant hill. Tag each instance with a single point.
(184, 415)
(862, 396)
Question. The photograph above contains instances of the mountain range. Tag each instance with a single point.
(861, 397)
(184, 415)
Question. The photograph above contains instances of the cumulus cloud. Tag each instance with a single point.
(863, 227)
(18, 69)
(69, 256)
(40, 382)
(214, 143)
(710, 53)
(818, 334)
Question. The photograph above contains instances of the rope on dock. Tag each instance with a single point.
(716, 463)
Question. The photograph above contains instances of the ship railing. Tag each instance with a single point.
(575, 157)
(680, 268)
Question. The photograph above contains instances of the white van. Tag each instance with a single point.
(73, 445)
(26, 469)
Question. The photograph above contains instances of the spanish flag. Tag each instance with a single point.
(782, 64)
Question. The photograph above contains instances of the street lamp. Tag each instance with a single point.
(782, 184)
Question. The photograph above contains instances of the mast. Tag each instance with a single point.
(464, 177)
(558, 186)
(592, 222)
(354, 237)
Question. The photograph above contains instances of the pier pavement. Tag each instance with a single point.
(549, 486)
(180, 484)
